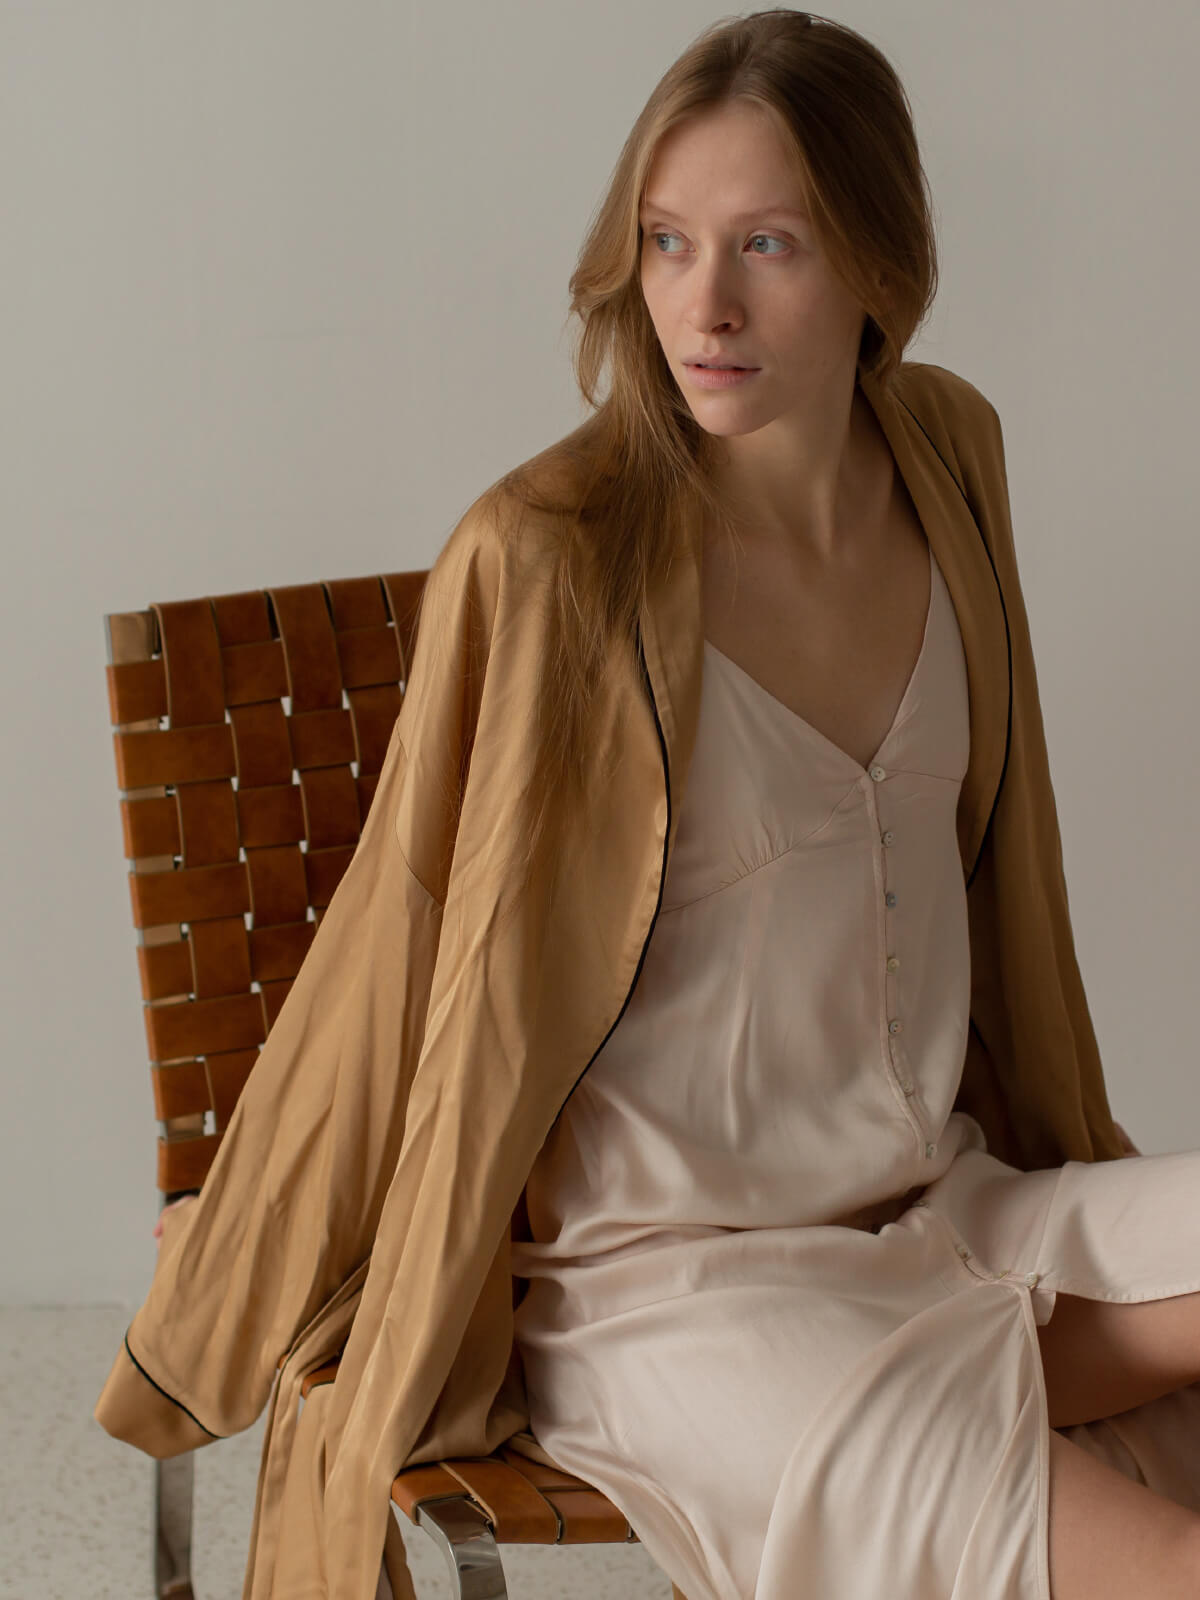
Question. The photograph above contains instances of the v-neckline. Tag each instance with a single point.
(816, 733)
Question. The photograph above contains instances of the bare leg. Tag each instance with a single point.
(1101, 1357)
(1111, 1538)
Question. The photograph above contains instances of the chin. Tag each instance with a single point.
(730, 427)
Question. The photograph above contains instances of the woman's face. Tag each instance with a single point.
(732, 269)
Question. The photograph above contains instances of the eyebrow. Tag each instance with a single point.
(650, 207)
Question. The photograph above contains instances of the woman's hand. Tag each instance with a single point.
(174, 1206)
(1127, 1144)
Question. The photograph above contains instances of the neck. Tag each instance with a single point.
(802, 481)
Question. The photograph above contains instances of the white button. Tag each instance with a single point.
(877, 773)
(963, 1252)
(907, 1085)
(893, 963)
(887, 836)
(895, 1025)
(889, 899)
(931, 1150)
(1031, 1278)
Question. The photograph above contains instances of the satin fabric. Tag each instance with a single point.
(781, 1403)
(369, 1188)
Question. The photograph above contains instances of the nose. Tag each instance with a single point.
(714, 303)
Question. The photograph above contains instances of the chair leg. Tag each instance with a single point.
(173, 1528)
(464, 1536)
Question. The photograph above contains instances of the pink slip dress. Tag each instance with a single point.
(783, 1401)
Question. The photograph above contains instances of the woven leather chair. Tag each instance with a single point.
(249, 734)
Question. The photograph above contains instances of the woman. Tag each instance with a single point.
(705, 969)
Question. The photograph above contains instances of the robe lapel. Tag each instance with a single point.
(673, 640)
(959, 548)
(672, 636)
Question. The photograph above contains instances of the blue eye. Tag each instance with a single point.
(753, 239)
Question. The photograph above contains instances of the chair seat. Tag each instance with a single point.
(524, 1501)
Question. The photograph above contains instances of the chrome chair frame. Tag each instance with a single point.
(173, 1500)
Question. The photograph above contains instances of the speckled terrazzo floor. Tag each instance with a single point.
(76, 1505)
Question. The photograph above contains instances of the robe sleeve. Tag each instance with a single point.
(289, 1209)
(1032, 1053)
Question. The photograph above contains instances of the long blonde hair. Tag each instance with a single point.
(621, 486)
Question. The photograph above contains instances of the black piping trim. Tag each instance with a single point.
(164, 1393)
(662, 879)
(1007, 633)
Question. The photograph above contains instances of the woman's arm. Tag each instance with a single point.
(1033, 1055)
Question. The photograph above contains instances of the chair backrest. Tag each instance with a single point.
(249, 734)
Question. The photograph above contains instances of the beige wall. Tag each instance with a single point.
(282, 288)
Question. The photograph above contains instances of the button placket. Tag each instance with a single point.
(962, 1249)
(887, 838)
(895, 1024)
